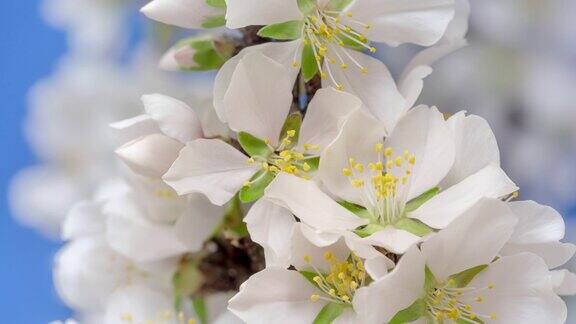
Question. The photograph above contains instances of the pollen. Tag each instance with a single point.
(447, 301)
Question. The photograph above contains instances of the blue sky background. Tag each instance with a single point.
(28, 51)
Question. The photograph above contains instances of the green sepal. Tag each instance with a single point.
(289, 30)
(356, 209)
(415, 203)
(313, 162)
(369, 230)
(186, 281)
(413, 226)
(338, 5)
(329, 313)
(207, 60)
(214, 22)
(429, 279)
(293, 122)
(216, 3)
(309, 64)
(199, 306)
(255, 191)
(207, 55)
(306, 6)
(410, 314)
(309, 275)
(463, 278)
(233, 219)
(352, 44)
(253, 145)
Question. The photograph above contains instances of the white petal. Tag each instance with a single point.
(129, 232)
(84, 219)
(522, 291)
(471, 240)
(564, 282)
(151, 155)
(441, 210)
(211, 167)
(276, 295)
(536, 223)
(271, 226)
(378, 267)
(132, 128)
(181, 13)
(476, 147)
(175, 118)
(553, 253)
(141, 303)
(168, 61)
(357, 138)
(394, 22)
(242, 13)
(424, 133)
(310, 204)
(198, 222)
(382, 299)
(394, 240)
(325, 113)
(313, 244)
(376, 89)
(259, 97)
(282, 52)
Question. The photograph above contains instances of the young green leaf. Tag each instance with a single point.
(283, 31)
(410, 314)
(463, 278)
(216, 3)
(253, 145)
(255, 191)
(415, 203)
(306, 6)
(329, 313)
(413, 226)
(199, 306)
(213, 22)
(309, 65)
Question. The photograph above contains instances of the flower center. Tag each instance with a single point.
(385, 196)
(328, 36)
(340, 284)
(446, 301)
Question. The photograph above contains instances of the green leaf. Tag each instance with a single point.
(253, 145)
(309, 65)
(338, 5)
(463, 278)
(293, 122)
(283, 31)
(410, 314)
(213, 22)
(413, 226)
(369, 230)
(199, 306)
(255, 191)
(216, 3)
(306, 6)
(329, 313)
(415, 203)
(357, 210)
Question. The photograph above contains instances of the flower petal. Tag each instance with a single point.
(275, 295)
(325, 113)
(471, 240)
(198, 222)
(175, 118)
(392, 239)
(357, 138)
(381, 300)
(564, 282)
(84, 219)
(553, 253)
(242, 13)
(424, 133)
(211, 167)
(259, 97)
(395, 22)
(376, 89)
(379, 266)
(310, 244)
(476, 147)
(181, 13)
(282, 52)
(314, 207)
(441, 210)
(141, 303)
(132, 128)
(151, 155)
(271, 226)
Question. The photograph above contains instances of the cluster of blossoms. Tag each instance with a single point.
(314, 188)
